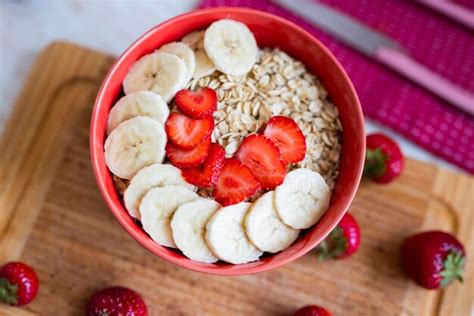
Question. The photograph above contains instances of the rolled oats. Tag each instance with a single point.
(231, 148)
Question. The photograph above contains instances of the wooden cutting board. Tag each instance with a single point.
(53, 217)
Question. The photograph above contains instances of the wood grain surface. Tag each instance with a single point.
(53, 217)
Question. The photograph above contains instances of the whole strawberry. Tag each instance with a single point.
(342, 242)
(18, 283)
(433, 259)
(312, 310)
(116, 301)
(383, 159)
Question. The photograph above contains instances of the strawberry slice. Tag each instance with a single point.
(188, 158)
(287, 136)
(197, 104)
(186, 132)
(236, 183)
(262, 157)
(207, 174)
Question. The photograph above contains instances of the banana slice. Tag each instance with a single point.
(134, 144)
(302, 198)
(204, 65)
(225, 235)
(231, 46)
(194, 39)
(158, 206)
(141, 103)
(162, 73)
(188, 226)
(184, 52)
(265, 229)
(156, 175)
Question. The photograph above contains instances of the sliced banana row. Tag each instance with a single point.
(156, 175)
(164, 72)
(204, 231)
(227, 45)
(174, 216)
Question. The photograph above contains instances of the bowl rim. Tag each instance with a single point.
(132, 229)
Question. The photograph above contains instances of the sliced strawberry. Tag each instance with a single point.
(186, 132)
(262, 157)
(197, 104)
(188, 158)
(207, 174)
(287, 136)
(235, 184)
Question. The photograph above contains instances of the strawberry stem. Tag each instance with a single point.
(333, 246)
(8, 292)
(453, 268)
(375, 163)
(323, 251)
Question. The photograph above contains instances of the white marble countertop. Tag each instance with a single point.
(28, 26)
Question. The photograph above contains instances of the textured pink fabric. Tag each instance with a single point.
(430, 38)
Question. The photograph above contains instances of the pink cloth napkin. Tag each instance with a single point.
(430, 38)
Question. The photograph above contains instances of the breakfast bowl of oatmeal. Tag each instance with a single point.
(227, 141)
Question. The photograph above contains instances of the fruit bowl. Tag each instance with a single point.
(269, 31)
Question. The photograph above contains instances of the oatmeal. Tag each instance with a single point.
(246, 159)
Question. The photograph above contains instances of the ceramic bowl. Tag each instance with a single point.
(271, 31)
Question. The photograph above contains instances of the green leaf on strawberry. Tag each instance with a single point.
(383, 159)
(342, 242)
(332, 247)
(8, 292)
(453, 269)
(375, 163)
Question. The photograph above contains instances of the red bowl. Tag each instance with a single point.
(271, 31)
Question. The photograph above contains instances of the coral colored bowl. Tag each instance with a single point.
(271, 31)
